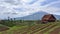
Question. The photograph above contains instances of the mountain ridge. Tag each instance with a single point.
(36, 16)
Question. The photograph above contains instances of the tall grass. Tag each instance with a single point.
(14, 22)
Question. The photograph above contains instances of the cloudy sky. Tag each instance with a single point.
(21, 8)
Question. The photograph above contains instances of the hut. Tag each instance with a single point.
(48, 18)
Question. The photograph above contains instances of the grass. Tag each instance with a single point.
(12, 29)
(48, 32)
(46, 28)
(22, 27)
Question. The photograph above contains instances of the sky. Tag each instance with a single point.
(21, 8)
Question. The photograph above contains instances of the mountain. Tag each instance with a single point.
(36, 16)
(57, 17)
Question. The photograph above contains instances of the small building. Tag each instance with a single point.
(48, 18)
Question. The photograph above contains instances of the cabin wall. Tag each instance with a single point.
(48, 18)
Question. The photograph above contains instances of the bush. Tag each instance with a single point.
(12, 23)
(7, 23)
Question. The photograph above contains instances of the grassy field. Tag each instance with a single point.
(30, 27)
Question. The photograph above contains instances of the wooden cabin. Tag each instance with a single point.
(48, 18)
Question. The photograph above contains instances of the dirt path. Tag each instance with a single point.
(3, 28)
(42, 32)
(56, 31)
(41, 28)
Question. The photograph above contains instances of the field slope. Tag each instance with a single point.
(49, 28)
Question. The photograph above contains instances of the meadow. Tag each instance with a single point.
(30, 27)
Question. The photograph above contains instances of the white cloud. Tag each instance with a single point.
(52, 10)
(21, 8)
